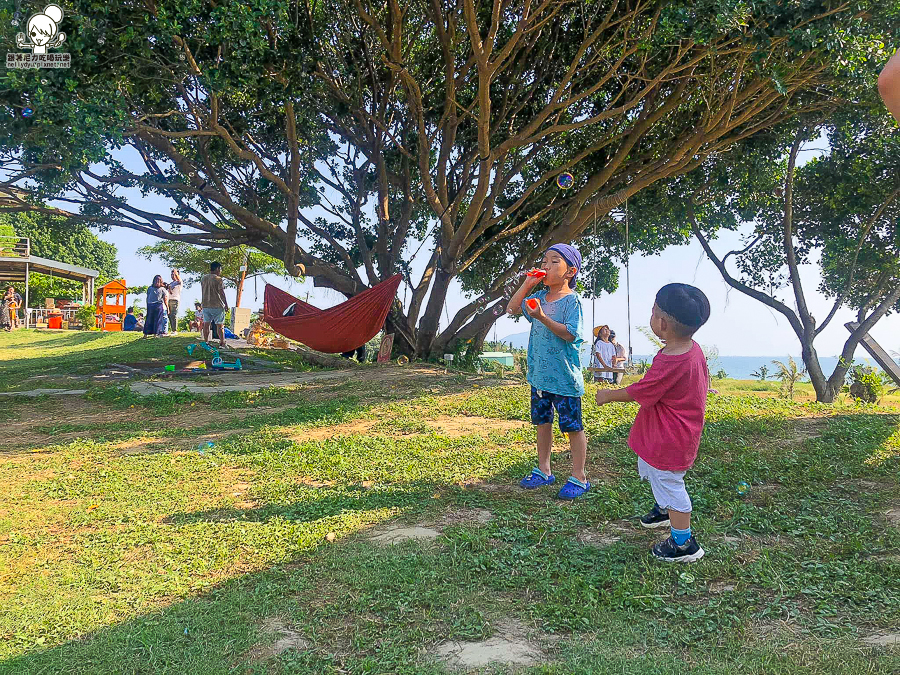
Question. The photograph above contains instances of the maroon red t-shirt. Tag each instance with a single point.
(672, 394)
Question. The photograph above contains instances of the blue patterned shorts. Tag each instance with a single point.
(568, 407)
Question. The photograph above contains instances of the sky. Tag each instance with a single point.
(738, 326)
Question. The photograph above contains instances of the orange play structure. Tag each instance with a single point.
(110, 303)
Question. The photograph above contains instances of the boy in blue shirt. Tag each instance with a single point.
(554, 364)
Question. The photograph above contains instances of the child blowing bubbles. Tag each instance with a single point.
(666, 432)
(554, 365)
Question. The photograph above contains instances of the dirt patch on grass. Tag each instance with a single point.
(455, 427)
(805, 428)
(606, 535)
(508, 646)
(430, 530)
(883, 640)
(464, 517)
(358, 427)
(285, 638)
(893, 515)
(721, 587)
(396, 534)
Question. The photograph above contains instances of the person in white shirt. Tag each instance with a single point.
(619, 360)
(174, 297)
(603, 354)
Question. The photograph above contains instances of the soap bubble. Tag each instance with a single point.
(402, 361)
(499, 309)
(27, 112)
(480, 309)
(182, 57)
(565, 180)
(101, 40)
(208, 445)
(44, 81)
(743, 488)
(686, 578)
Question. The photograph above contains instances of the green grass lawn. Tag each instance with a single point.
(124, 549)
(37, 359)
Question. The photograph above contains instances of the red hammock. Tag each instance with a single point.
(335, 330)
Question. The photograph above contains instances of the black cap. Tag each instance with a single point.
(686, 304)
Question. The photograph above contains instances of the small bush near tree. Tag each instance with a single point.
(867, 384)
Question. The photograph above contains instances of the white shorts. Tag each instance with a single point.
(668, 487)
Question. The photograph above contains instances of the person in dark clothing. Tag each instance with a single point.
(360, 354)
(130, 322)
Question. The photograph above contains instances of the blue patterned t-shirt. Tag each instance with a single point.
(554, 365)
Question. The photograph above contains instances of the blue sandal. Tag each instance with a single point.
(537, 479)
(573, 489)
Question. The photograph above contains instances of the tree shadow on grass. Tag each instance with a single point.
(214, 632)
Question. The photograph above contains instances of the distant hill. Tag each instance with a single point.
(518, 340)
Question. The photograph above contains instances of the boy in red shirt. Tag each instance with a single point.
(666, 432)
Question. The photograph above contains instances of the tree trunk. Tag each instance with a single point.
(822, 385)
(428, 324)
(396, 323)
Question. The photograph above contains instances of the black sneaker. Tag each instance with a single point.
(655, 518)
(669, 551)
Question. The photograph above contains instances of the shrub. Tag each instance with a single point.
(866, 383)
(86, 315)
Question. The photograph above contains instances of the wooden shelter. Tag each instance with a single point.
(17, 264)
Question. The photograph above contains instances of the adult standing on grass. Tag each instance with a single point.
(604, 353)
(6, 309)
(619, 360)
(213, 300)
(174, 298)
(157, 317)
(15, 303)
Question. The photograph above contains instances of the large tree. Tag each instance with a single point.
(839, 211)
(339, 136)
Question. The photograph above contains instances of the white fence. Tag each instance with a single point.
(36, 316)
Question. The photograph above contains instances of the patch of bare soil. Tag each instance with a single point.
(609, 534)
(721, 587)
(772, 629)
(508, 646)
(285, 638)
(464, 517)
(883, 640)
(893, 515)
(454, 427)
(805, 428)
(395, 534)
(427, 531)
